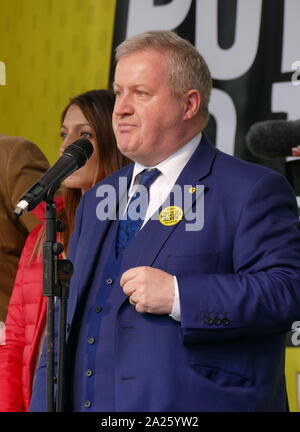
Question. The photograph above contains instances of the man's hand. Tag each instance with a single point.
(149, 289)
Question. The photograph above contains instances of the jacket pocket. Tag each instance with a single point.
(222, 377)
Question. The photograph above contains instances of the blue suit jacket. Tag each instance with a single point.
(239, 285)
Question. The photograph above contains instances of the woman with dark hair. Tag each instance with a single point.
(86, 116)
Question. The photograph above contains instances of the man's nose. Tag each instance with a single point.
(123, 105)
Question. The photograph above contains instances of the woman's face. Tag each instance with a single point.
(76, 126)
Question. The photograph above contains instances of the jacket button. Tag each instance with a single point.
(68, 327)
(208, 320)
(217, 321)
(91, 340)
(109, 281)
(225, 321)
(88, 373)
(98, 309)
(87, 404)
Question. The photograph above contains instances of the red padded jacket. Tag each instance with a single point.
(24, 327)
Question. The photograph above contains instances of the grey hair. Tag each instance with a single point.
(187, 69)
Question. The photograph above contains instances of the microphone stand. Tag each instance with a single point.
(56, 277)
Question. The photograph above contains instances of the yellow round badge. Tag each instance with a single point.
(170, 215)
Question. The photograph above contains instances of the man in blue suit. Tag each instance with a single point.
(175, 316)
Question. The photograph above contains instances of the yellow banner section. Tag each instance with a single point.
(52, 50)
(292, 372)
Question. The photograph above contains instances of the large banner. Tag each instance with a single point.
(252, 49)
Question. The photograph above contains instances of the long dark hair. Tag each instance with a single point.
(97, 107)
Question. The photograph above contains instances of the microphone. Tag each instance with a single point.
(273, 138)
(74, 157)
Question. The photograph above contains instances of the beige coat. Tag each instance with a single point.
(21, 164)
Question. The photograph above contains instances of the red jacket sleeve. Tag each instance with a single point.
(11, 353)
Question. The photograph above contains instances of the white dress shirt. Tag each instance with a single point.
(159, 190)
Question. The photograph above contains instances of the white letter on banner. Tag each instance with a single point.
(144, 16)
(223, 110)
(231, 63)
(290, 42)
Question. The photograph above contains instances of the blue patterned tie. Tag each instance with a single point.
(129, 227)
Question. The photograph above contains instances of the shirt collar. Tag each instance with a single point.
(173, 165)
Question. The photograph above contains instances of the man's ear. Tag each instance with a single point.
(192, 102)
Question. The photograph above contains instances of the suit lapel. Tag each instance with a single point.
(89, 246)
(154, 234)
